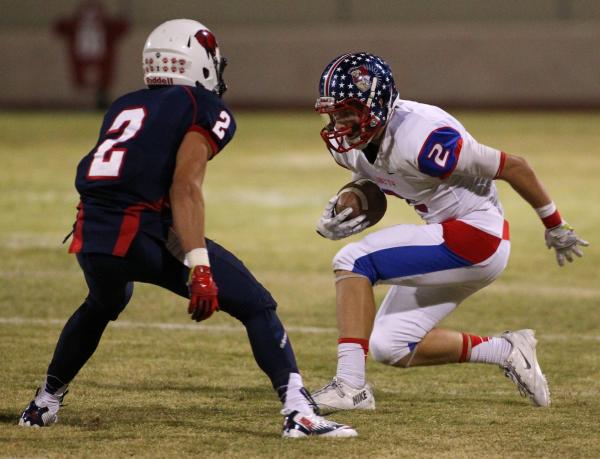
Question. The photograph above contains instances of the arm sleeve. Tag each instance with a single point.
(479, 160)
(211, 118)
(440, 152)
(446, 152)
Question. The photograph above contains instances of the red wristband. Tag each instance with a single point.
(553, 220)
(549, 215)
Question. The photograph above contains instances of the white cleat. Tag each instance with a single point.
(40, 413)
(337, 396)
(38, 416)
(302, 425)
(523, 369)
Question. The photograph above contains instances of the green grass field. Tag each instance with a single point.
(194, 390)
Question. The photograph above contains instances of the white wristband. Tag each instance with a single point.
(546, 211)
(195, 257)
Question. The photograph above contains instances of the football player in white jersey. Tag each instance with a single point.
(422, 154)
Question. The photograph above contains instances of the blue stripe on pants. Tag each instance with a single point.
(407, 261)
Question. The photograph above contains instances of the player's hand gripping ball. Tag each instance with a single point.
(356, 206)
(364, 197)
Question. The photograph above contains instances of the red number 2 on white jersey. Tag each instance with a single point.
(108, 160)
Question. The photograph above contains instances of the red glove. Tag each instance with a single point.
(203, 293)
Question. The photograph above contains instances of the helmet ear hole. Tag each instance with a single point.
(187, 51)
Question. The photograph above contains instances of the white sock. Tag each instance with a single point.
(43, 399)
(351, 364)
(494, 350)
(294, 399)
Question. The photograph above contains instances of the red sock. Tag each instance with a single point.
(469, 342)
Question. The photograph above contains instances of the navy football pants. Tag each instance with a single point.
(110, 281)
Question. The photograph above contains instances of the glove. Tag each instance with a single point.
(565, 241)
(335, 227)
(203, 293)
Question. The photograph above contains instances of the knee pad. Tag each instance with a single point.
(386, 351)
(380, 350)
(352, 257)
(256, 304)
(110, 304)
(346, 257)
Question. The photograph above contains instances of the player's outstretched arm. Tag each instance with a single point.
(559, 234)
(187, 203)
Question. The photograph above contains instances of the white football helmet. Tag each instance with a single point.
(183, 52)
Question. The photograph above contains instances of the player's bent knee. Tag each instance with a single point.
(380, 350)
(344, 259)
(244, 311)
(110, 306)
(384, 350)
(352, 258)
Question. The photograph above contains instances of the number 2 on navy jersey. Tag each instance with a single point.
(108, 159)
(222, 124)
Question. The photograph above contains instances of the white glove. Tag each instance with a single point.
(334, 227)
(565, 241)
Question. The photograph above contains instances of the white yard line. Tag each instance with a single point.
(27, 322)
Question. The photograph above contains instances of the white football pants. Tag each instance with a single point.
(428, 281)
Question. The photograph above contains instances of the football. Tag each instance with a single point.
(364, 197)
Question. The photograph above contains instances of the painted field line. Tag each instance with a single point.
(26, 321)
(126, 324)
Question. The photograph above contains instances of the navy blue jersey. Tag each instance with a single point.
(124, 181)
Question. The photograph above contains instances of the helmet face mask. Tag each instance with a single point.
(183, 52)
(358, 89)
(351, 124)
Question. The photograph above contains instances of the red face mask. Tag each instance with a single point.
(351, 126)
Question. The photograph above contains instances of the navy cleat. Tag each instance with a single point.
(41, 416)
(299, 425)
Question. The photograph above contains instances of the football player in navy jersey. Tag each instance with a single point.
(141, 219)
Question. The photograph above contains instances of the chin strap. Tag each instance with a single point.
(221, 85)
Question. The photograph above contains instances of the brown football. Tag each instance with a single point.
(364, 197)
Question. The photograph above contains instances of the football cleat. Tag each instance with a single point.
(339, 396)
(41, 416)
(301, 425)
(522, 368)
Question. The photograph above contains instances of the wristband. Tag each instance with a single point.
(550, 216)
(195, 257)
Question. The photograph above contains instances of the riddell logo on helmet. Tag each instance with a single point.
(158, 80)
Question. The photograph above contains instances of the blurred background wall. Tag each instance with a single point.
(466, 53)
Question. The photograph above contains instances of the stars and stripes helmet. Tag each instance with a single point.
(184, 52)
(359, 85)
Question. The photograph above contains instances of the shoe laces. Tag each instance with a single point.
(335, 385)
(59, 397)
(510, 373)
(311, 401)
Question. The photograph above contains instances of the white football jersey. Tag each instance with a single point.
(429, 159)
